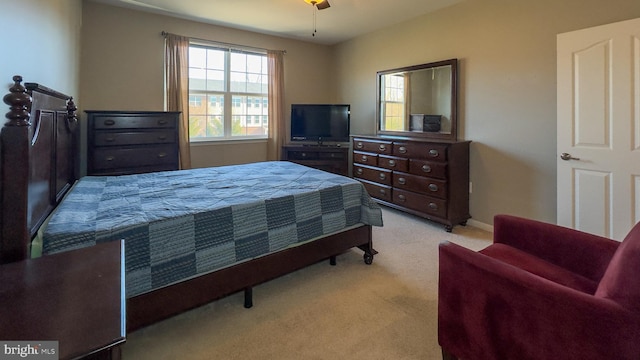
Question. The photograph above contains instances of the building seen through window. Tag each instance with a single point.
(228, 94)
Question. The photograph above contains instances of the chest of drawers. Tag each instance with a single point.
(130, 142)
(422, 177)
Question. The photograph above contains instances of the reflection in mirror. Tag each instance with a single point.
(418, 100)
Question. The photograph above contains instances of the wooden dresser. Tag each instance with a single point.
(333, 159)
(131, 142)
(428, 178)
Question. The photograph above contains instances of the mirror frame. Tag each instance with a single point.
(453, 135)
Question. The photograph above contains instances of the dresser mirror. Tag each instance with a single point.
(418, 101)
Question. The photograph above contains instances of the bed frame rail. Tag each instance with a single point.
(148, 308)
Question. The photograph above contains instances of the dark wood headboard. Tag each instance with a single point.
(37, 162)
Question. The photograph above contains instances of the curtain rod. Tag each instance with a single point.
(237, 46)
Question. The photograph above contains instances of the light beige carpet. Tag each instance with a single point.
(387, 310)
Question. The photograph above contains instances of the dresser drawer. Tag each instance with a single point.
(378, 191)
(365, 158)
(113, 158)
(422, 203)
(113, 138)
(122, 121)
(432, 152)
(420, 184)
(332, 155)
(303, 155)
(375, 146)
(393, 163)
(380, 176)
(428, 168)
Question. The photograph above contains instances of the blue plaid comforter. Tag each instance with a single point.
(179, 224)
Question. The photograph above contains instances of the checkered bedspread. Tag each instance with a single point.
(179, 224)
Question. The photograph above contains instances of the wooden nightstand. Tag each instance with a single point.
(76, 298)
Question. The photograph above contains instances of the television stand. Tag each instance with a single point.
(328, 158)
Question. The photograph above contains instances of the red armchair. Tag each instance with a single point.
(540, 291)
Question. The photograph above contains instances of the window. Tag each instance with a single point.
(228, 94)
(392, 104)
(195, 101)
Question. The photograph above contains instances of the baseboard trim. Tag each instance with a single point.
(480, 225)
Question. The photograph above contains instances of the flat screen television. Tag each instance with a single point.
(320, 122)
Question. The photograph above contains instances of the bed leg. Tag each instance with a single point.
(369, 252)
(248, 297)
(332, 260)
(368, 249)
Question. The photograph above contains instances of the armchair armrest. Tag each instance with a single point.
(577, 251)
(491, 310)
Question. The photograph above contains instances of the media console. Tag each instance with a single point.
(332, 158)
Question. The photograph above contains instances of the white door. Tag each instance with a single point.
(599, 128)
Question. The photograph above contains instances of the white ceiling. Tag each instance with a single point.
(345, 19)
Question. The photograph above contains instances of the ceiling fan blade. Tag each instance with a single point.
(323, 5)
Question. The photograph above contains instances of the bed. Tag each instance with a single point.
(185, 243)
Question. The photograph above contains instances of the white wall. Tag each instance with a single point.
(41, 42)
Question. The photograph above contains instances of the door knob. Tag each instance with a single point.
(567, 156)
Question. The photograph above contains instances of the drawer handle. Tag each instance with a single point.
(426, 168)
(402, 198)
(402, 181)
(162, 122)
(162, 155)
(383, 192)
(364, 158)
(433, 187)
(359, 171)
(382, 176)
(392, 163)
(359, 145)
(109, 122)
(110, 139)
(402, 150)
(303, 154)
(434, 153)
(433, 206)
(162, 137)
(382, 147)
(110, 158)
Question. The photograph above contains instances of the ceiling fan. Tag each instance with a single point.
(319, 4)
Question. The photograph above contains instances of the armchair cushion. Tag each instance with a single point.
(540, 267)
(620, 281)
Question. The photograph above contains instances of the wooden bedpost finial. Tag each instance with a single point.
(19, 102)
(72, 117)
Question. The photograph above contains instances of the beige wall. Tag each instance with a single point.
(507, 88)
(122, 69)
(41, 42)
(507, 102)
